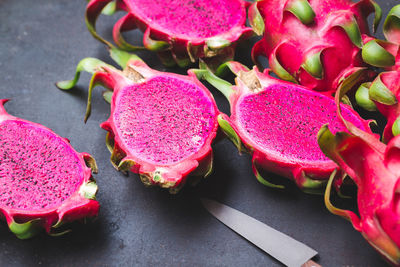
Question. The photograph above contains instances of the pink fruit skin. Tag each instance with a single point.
(212, 19)
(292, 129)
(374, 167)
(290, 42)
(74, 206)
(173, 173)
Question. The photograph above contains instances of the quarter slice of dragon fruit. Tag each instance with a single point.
(161, 124)
(383, 93)
(315, 43)
(277, 122)
(44, 181)
(179, 31)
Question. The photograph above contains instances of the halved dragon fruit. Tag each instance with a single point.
(374, 167)
(278, 123)
(313, 42)
(384, 92)
(161, 124)
(44, 181)
(179, 31)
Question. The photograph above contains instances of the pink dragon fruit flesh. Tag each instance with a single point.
(315, 43)
(44, 181)
(179, 31)
(383, 93)
(375, 168)
(161, 124)
(277, 122)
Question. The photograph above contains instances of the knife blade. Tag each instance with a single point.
(279, 245)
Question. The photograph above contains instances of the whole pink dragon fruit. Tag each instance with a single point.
(161, 124)
(384, 92)
(313, 42)
(180, 31)
(44, 181)
(277, 122)
(375, 168)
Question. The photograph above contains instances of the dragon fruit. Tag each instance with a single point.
(44, 181)
(161, 124)
(315, 43)
(277, 122)
(374, 167)
(179, 31)
(383, 93)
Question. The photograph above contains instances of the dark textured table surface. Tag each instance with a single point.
(40, 43)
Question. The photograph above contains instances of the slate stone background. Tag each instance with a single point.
(40, 43)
